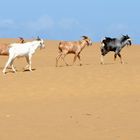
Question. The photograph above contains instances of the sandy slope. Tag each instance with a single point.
(89, 102)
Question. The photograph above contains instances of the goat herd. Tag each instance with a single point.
(27, 49)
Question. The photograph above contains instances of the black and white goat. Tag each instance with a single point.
(115, 45)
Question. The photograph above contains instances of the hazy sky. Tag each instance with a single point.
(70, 19)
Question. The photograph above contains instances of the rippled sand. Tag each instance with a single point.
(89, 102)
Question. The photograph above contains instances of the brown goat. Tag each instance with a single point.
(4, 48)
(75, 47)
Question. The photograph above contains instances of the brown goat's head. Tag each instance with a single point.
(88, 40)
(21, 40)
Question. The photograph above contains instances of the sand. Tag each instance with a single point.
(89, 102)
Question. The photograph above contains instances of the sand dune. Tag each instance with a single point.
(89, 102)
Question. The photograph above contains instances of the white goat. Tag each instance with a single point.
(23, 50)
(75, 47)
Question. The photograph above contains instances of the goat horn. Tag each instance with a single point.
(20, 37)
(85, 37)
(38, 38)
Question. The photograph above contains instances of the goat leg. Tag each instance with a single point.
(57, 58)
(27, 59)
(30, 63)
(75, 57)
(13, 68)
(120, 58)
(102, 60)
(7, 64)
(115, 56)
(80, 60)
(11, 64)
(63, 58)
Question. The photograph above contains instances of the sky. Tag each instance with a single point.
(70, 19)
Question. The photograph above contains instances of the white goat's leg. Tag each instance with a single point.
(30, 63)
(27, 59)
(26, 67)
(14, 70)
(102, 59)
(11, 64)
(57, 58)
(7, 64)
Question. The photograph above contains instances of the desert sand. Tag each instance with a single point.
(89, 102)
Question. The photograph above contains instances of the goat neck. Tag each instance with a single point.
(83, 43)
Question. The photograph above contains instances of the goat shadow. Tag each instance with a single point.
(71, 65)
(113, 63)
(7, 68)
(11, 71)
(107, 64)
(27, 70)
